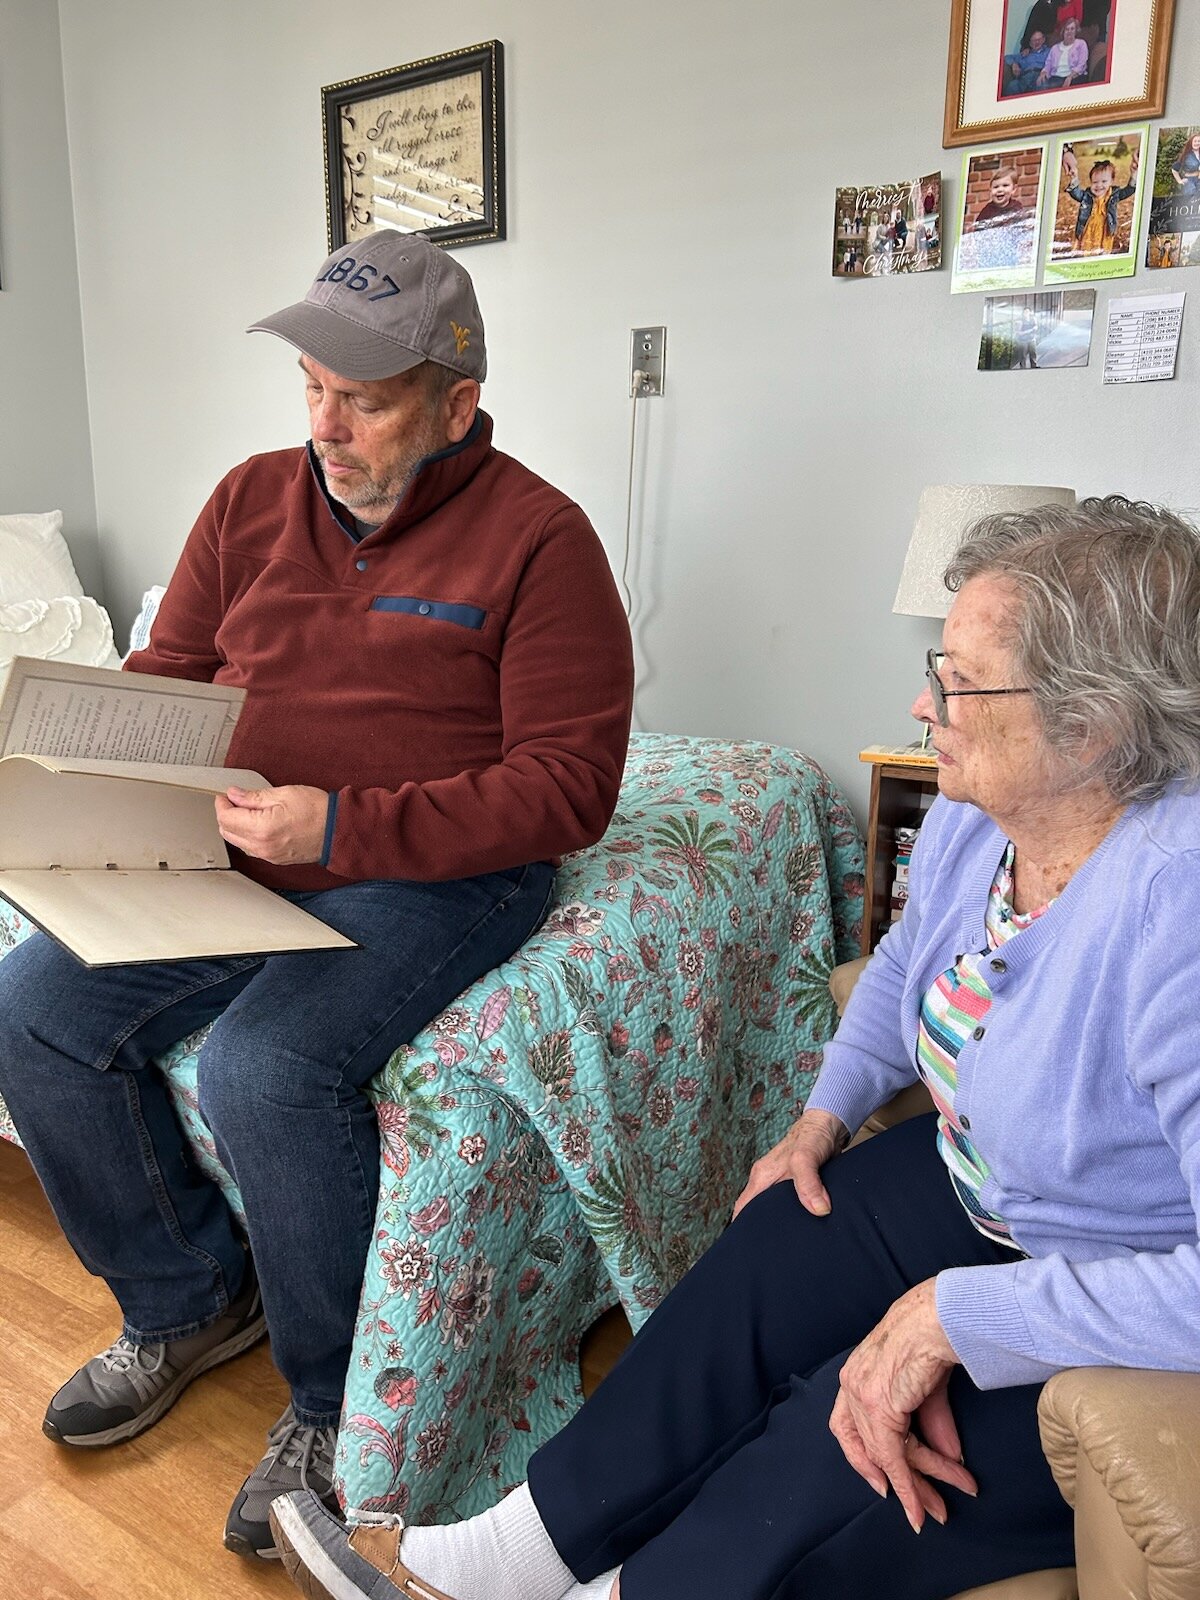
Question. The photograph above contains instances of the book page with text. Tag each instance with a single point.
(55, 708)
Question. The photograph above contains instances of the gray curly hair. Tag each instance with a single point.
(1106, 633)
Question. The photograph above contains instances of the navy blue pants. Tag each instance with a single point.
(281, 1079)
(704, 1461)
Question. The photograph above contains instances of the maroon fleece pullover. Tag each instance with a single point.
(460, 681)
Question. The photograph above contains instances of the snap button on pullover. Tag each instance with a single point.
(361, 564)
(424, 608)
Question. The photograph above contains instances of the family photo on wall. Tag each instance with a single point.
(1175, 201)
(1054, 44)
(1024, 67)
(881, 229)
(1036, 331)
(1098, 205)
(998, 224)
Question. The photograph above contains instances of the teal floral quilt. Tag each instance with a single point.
(573, 1130)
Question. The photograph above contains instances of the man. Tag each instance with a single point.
(439, 680)
(1025, 64)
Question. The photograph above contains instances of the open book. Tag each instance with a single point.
(108, 834)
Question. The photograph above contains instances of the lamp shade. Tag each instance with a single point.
(944, 513)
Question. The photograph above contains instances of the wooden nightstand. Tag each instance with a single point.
(903, 784)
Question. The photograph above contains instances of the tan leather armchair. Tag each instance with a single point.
(1124, 1448)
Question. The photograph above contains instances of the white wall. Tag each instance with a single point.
(45, 451)
(667, 163)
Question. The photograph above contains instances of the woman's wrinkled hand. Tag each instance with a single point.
(800, 1154)
(892, 1417)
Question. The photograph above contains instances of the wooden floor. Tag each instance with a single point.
(142, 1521)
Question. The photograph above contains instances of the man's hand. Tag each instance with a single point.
(284, 826)
(799, 1155)
(894, 1380)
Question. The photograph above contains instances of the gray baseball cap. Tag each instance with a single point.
(385, 303)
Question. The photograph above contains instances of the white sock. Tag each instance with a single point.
(502, 1554)
(599, 1588)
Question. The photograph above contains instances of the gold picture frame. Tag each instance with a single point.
(419, 148)
(990, 97)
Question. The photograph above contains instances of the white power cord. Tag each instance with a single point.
(639, 378)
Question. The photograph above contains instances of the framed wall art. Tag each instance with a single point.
(419, 148)
(1028, 67)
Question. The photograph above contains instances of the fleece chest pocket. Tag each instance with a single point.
(413, 605)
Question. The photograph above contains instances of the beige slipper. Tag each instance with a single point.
(326, 1562)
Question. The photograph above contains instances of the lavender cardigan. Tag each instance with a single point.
(1083, 1094)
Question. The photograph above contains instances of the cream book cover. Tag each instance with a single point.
(108, 835)
(899, 755)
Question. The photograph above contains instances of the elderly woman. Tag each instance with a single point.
(858, 1358)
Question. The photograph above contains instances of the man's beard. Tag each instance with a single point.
(373, 498)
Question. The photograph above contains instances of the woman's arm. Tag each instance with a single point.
(812, 1140)
(895, 1379)
(1024, 1321)
(865, 1063)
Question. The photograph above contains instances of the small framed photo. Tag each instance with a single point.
(1097, 206)
(997, 239)
(1029, 67)
(419, 148)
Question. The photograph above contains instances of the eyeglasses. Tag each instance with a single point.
(940, 695)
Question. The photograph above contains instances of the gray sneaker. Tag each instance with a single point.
(128, 1387)
(297, 1458)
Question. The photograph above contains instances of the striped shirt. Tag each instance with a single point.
(953, 1009)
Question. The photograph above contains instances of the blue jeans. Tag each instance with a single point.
(1026, 83)
(281, 1076)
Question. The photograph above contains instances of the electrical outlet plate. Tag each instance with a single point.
(648, 355)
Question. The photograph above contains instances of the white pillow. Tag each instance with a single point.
(139, 634)
(66, 629)
(35, 563)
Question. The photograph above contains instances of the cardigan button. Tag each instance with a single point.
(361, 564)
(999, 966)
(965, 1122)
(979, 1033)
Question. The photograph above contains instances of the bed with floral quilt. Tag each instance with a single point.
(573, 1130)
